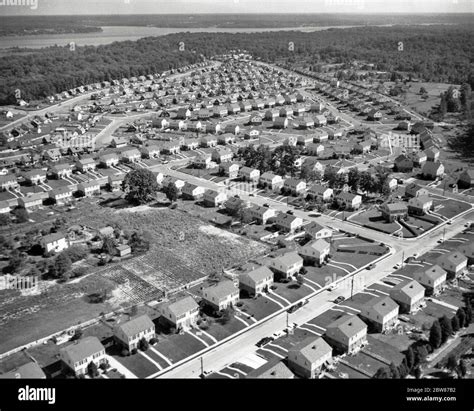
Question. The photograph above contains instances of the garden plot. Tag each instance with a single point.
(130, 288)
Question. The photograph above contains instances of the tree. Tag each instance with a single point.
(461, 316)
(140, 242)
(92, 369)
(109, 246)
(452, 362)
(21, 215)
(466, 93)
(418, 372)
(382, 373)
(455, 323)
(61, 265)
(423, 90)
(435, 337)
(394, 371)
(446, 328)
(403, 368)
(171, 192)
(463, 368)
(468, 311)
(140, 186)
(300, 280)
(353, 178)
(330, 176)
(410, 357)
(15, 262)
(143, 344)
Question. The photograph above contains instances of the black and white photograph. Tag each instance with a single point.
(265, 197)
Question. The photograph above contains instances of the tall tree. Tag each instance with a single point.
(435, 335)
(140, 186)
(446, 328)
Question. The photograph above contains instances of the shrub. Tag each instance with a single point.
(153, 341)
(125, 353)
(134, 351)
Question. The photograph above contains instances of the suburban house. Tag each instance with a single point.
(432, 170)
(294, 186)
(85, 164)
(8, 181)
(315, 149)
(55, 242)
(129, 333)
(408, 294)
(273, 369)
(233, 204)
(454, 263)
(381, 313)
(280, 122)
(35, 177)
(415, 190)
(287, 265)
(320, 193)
(272, 181)
(208, 141)
(468, 250)
(347, 334)
(179, 184)
(123, 250)
(403, 164)
(61, 194)
(249, 174)
(61, 170)
(222, 155)
(130, 155)
(393, 211)
(109, 160)
(192, 191)
(320, 120)
(432, 278)
(466, 179)
(260, 214)
(230, 170)
(348, 200)
(227, 138)
(256, 281)
(419, 205)
(214, 198)
(221, 296)
(307, 358)
(419, 158)
(432, 154)
(32, 200)
(316, 231)
(181, 314)
(288, 222)
(315, 252)
(115, 181)
(79, 355)
(202, 161)
(89, 188)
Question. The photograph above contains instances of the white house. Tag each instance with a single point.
(182, 314)
(220, 296)
(79, 355)
(256, 281)
(129, 333)
(56, 242)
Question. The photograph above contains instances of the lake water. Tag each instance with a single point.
(123, 33)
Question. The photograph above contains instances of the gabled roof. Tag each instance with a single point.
(454, 257)
(349, 325)
(433, 273)
(381, 305)
(183, 306)
(83, 348)
(319, 245)
(221, 290)
(29, 370)
(410, 288)
(312, 349)
(136, 325)
(271, 369)
(259, 274)
(288, 259)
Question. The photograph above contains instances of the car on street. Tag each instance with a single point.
(290, 212)
(264, 341)
(339, 299)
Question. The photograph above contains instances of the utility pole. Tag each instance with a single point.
(403, 257)
(352, 286)
(202, 367)
(444, 232)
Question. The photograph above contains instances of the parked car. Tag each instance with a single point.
(339, 299)
(264, 341)
(290, 212)
(266, 205)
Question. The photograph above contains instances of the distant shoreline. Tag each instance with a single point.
(109, 34)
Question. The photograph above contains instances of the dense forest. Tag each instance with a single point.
(433, 53)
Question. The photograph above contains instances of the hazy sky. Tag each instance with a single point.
(69, 7)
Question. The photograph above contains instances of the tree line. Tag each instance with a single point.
(434, 53)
